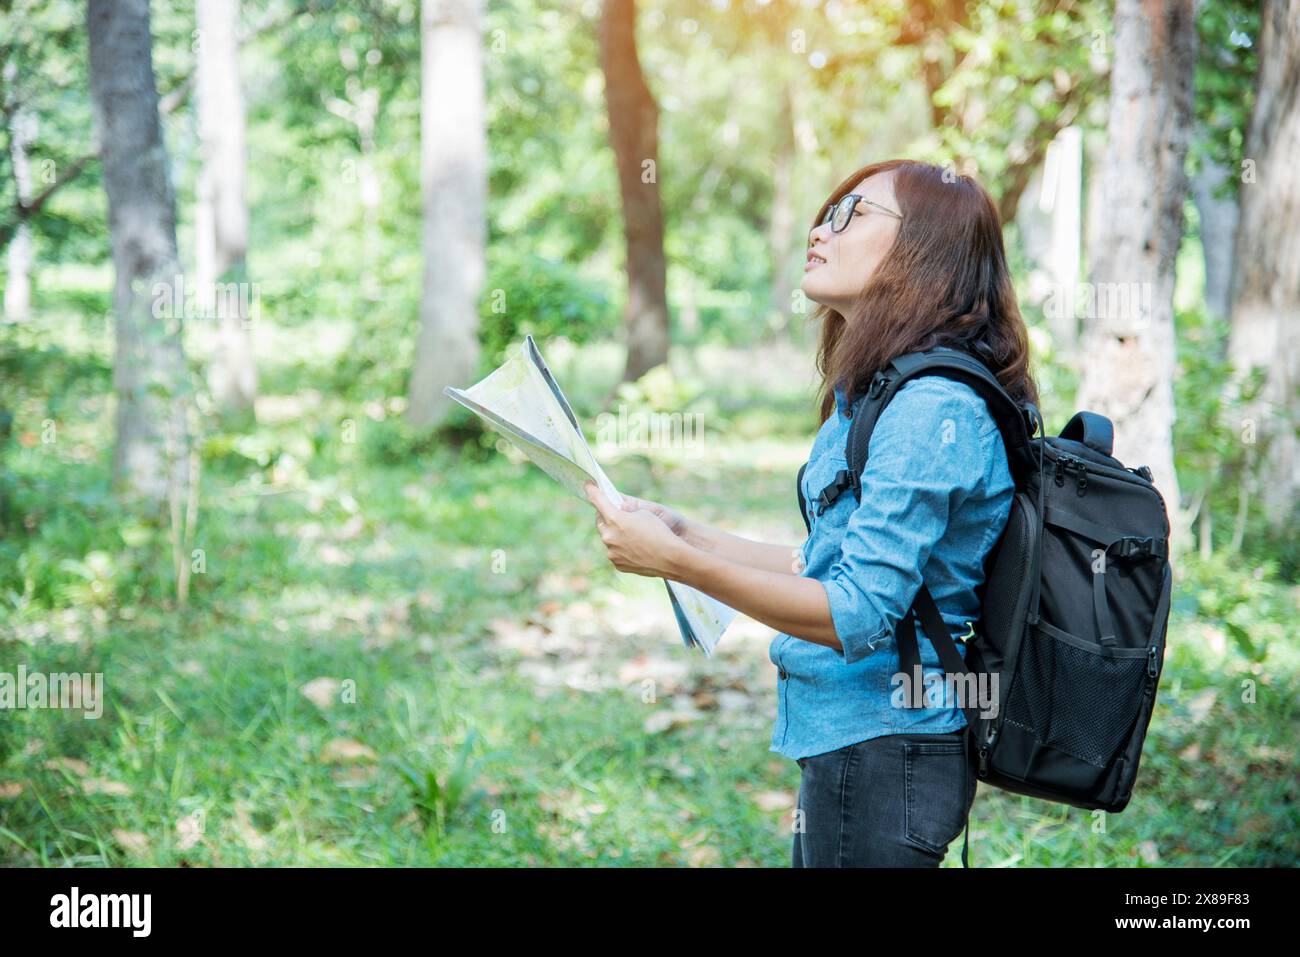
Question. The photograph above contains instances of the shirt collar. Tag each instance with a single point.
(841, 401)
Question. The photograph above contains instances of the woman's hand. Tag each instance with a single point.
(675, 520)
(636, 540)
(640, 542)
(743, 551)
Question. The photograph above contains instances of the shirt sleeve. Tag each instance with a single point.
(927, 454)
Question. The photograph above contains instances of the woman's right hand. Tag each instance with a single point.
(674, 519)
(742, 551)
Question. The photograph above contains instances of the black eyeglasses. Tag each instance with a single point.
(840, 214)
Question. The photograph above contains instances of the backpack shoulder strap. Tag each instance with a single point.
(803, 501)
(1013, 420)
(1016, 423)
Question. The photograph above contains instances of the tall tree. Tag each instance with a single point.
(1219, 215)
(1129, 340)
(1227, 67)
(634, 135)
(782, 234)
(1266, 276)
(970, 52)
(22, 131)
(221, 213)
(453, 151)
(152, 454)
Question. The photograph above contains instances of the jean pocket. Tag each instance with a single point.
(938, 792)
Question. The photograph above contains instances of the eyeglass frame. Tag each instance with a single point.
(830, 213)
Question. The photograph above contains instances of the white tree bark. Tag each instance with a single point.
(221, 214)
(1065, 257)
(453, 151)
(1129, 345)
(782, 234)
(21, 256)
(151, 458)
(1219, 216)
(360, 107)
(1266, 278)
(1050, 217)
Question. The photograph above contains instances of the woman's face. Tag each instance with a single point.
(839, 264)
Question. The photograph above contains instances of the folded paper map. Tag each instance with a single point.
(522, 401)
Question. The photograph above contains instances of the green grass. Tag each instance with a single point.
(503, 697)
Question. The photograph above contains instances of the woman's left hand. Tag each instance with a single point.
(636, 540)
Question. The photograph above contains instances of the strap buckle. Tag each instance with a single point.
(844, 479)
(1136, 547)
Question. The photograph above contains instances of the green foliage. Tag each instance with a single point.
(659, 390)
(439, 798)
(43, 43)
(526, 294)
(1254, 607)
(1217, 450)
(339, 542)
(1226, 67)
(392, 441)
(1020, 71)
(369, 566)
(1210, 438)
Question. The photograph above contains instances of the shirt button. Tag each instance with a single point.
(848, 413)
(782, 673)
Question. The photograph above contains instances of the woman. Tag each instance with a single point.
(905, 256)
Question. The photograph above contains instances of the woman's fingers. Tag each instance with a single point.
(603, 505)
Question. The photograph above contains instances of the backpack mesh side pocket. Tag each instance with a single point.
(1074, 696)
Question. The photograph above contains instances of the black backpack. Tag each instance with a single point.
(1074, 605)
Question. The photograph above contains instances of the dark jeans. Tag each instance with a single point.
(892, 801)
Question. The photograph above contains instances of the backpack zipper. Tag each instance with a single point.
(1064, 463)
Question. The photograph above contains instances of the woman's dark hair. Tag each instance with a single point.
(944, 282)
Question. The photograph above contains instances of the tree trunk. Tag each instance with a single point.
(221, 217)
(1266, 279)
(1129, 340)
(360, 107)
(151, 459)
(633, 133)
(1053, 223)
(1219, 217)
(453, 149)
(781, 228)
(18, 280)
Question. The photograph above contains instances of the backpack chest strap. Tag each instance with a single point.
(844, 479)
(863, 415)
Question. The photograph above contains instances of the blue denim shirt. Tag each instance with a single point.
(936, 495)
